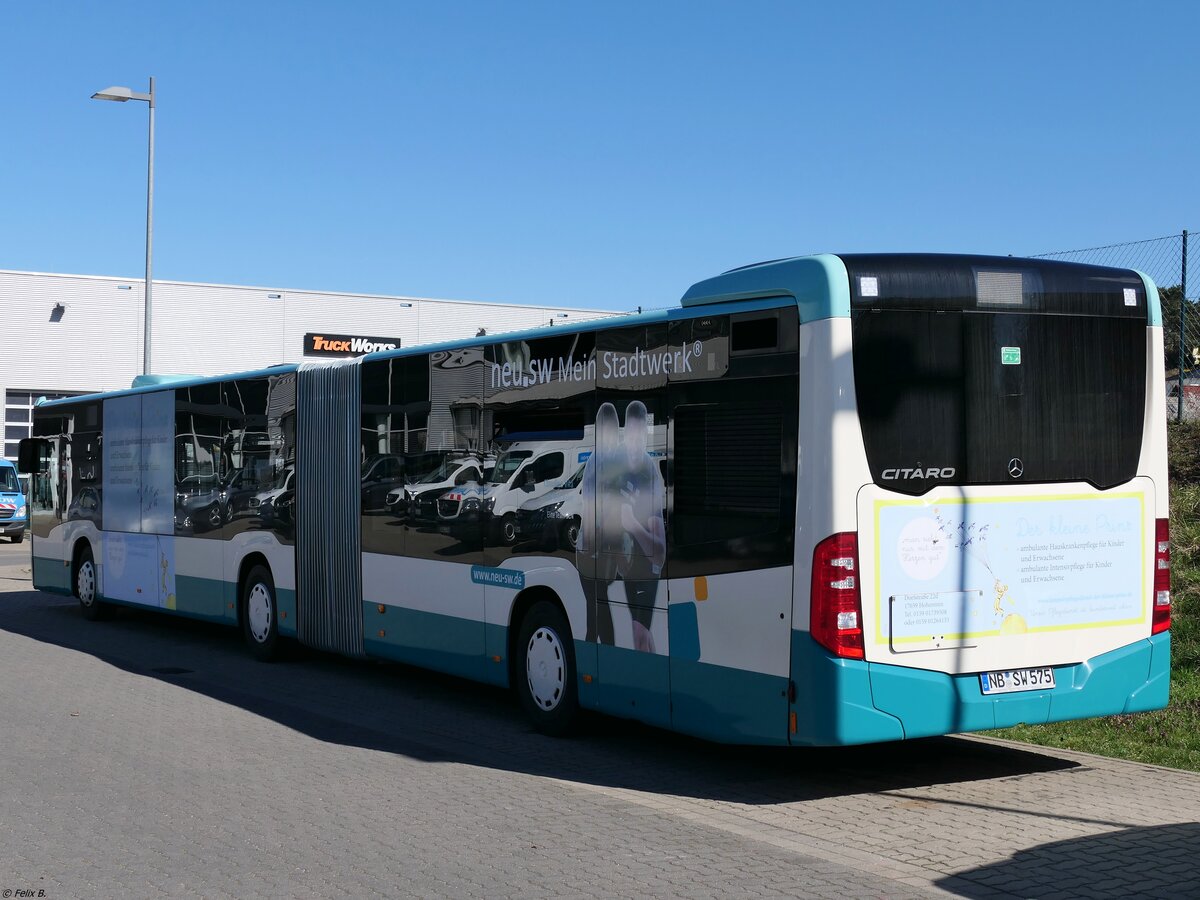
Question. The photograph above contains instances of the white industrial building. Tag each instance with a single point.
(76, 334)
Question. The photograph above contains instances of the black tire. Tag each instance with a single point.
(17, 538)
(260, 614)
(570, 533)
(85, 585)
(544, 671)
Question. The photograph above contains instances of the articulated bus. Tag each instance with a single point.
(824, 500)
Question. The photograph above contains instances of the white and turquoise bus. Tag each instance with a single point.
(825, 500)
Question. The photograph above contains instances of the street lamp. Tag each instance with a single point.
(122, 95)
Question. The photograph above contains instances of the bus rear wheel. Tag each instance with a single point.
(260, 628)
(545, 670)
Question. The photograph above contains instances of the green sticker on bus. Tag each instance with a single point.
(1010, 356)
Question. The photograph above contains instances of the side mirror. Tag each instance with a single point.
(30, 456)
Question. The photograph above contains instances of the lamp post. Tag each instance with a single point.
(122, 95)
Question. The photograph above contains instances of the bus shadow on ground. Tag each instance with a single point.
(1153, 861)
(424, 715)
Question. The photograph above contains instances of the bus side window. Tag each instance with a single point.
(733, 488)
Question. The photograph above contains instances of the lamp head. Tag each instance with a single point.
(119, 94)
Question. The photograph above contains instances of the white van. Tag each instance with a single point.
(524, 471)
(554, 518)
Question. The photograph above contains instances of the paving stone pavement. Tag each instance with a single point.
(149, 756)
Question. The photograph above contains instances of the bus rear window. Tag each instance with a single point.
(993, 370)
(973, 397)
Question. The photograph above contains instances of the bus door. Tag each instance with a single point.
(731, 471)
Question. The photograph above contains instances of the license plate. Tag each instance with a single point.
(1010, 681)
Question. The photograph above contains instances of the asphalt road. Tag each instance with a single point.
(149, 756)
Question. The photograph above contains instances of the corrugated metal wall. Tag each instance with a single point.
(95, 344)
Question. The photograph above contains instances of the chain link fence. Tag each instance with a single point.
(1165, 259)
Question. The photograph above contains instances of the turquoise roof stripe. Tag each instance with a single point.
(1153, 302)
(170, 382)
(820, 284)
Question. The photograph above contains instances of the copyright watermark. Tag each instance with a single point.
(12, 894)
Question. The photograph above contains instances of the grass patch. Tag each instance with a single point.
(1171, 736)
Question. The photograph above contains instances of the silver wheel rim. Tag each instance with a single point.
(510, 530)
(86, 583)
(258, 612)
(572, 535)
(545, 669)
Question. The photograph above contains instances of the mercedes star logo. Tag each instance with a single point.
(1016, 468)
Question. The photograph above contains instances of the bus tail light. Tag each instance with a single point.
(1162, 576)
(836, 604)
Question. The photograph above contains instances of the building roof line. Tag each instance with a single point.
(308, 291)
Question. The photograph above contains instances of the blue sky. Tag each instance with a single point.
(599, 155)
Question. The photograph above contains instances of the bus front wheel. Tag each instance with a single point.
(260, 627)
(87, 587)
(545, 676)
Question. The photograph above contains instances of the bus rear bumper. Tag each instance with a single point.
(851, 702)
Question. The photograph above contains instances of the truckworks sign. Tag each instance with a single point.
(325, 344)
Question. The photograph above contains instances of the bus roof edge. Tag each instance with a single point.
(819, 284)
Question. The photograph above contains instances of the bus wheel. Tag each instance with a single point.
(85, 587)
(545, 676)
(259, 618)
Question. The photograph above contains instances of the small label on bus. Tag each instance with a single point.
(505, 578)
(1130, 297)
(868, 286)
(1010, 356)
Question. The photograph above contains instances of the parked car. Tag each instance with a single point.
(417, 502)
(275, 506)
(553, 518)
(380, 475)
(198, 504)
(14, 508)
(242, 486)
(85, 506)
